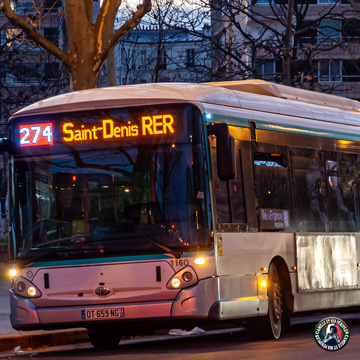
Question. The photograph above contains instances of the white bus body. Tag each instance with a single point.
(257, 268)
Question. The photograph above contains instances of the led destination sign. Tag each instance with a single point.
(36, 134)
(150, 125)
(42, 134)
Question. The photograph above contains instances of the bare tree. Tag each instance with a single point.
(28, 72)
(249, 36)
(161, 50)
(89, 42)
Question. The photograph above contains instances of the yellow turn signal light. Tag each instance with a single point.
(12, 272)
(200, 261)
(263, 283)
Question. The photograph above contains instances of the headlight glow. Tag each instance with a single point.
(200, 260)
(175, 283)
(12, 272)
(31, 291)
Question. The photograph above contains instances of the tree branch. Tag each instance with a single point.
(32, 33)
(132, 23)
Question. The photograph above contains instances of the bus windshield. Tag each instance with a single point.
(111, 198)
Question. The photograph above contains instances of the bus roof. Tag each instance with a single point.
(248, 94)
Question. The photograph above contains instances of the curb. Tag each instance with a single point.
(50, 338)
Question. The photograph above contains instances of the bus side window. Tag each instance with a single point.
(342, 177)
(309, 189)
(272, 191)
(229, 195)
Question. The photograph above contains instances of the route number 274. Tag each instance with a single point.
(36, 134)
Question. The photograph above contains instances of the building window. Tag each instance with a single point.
(329, 32)
(190, 57)
(143, 57)
(351, 71)
(351, 31)
(123, 57)
(163, 60)
(14, 35)
(330, 70)
(268, 69)
(51, 5)
(52, 34)
(24, 7)
(307, 33)
(21, 73)
(2, 38)
(51, 72)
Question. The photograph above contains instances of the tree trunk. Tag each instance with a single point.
(83, 76)
(287, 45)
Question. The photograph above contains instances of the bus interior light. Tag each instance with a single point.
(200, 261)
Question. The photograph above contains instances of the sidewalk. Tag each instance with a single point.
(10, 338)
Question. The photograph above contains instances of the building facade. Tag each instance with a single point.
(149, 54)
(313, 44)
(28, 73)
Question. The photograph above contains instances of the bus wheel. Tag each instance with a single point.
(102, 338)
(275, 303)
(270, 326)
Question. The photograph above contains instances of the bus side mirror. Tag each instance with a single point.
(225, 150)
(7, 145)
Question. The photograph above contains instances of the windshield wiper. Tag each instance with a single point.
(77, 239)
(177, 254)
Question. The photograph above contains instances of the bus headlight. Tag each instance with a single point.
(25, 288)
(175, 283)
(21, 286)
(183, 279)
(187, 276)
(31, 291)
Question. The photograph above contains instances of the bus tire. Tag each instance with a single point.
(270, 326)
(102, 338)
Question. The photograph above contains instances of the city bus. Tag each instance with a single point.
(172, 205)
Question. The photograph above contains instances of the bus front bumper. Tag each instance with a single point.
(196, 302)
(25, 315)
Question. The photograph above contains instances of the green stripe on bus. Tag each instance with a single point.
(113, 259)
(288, 128)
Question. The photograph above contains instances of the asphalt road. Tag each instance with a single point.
(298, 344)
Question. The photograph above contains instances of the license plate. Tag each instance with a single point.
(103, 313)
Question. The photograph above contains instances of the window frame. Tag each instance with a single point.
(329, 74)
